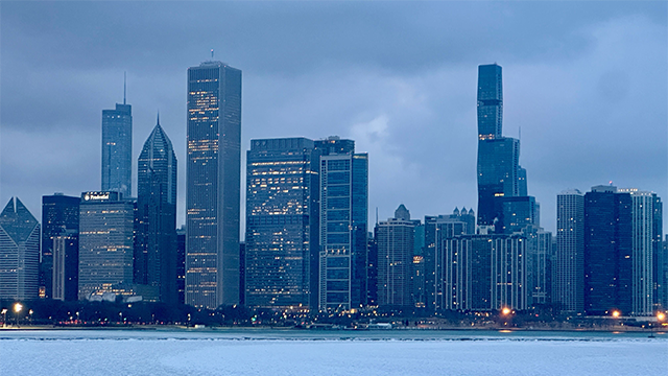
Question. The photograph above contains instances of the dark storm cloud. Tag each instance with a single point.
(585, 81)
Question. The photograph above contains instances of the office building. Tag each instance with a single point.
(538, 265)
(212, 185)
(19, 252)
(155, 253)
(281, 248)
(568, 263)
(343, 225)
(60, 234)
(117, 149)
(181, 264)
(608, 248)
(106, 245)
(396, 243)
(646, 227)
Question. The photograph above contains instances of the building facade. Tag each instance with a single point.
(155, 253)
(343, 260)
(117, 149)
(608, 251)
(281, 248)
(19, 252)
(568, 263)
(213, 185)
(60, 220)
(106, 244)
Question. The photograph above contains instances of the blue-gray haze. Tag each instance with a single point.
(585, 81)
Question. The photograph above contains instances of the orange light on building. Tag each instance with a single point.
(616, 314)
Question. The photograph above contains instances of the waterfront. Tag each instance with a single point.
(300, 352)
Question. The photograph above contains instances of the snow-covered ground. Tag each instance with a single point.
(328, 353)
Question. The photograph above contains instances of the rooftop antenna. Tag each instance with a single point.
(158, 117)
(376, 216)
(520, 133)
(123, 87)
(212, 54)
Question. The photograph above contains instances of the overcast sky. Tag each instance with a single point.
(586, 82)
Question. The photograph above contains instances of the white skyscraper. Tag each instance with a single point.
(567, 267)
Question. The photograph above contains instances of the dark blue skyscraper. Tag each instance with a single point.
(117, 149)
(213, 172)
(281, 247)
(490, 102)
(608, 260)
(60, 229)
(155, 254)
(343, 225)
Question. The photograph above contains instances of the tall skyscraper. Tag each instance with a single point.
(282, 220)
(646, 211)
(60, 234)
(568, 265)
(608, 264)
(155, 253)
(212, 185)
(343, 225)
(19, 252)
(499, 172)
(106, 244)
(117, 149)
(396, 243)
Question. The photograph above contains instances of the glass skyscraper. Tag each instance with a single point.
(212, 185)
(343, 225)
(281, 247)
(117, 149)
(155, 254)
(568, 265)
(19, 252)
(60, 229)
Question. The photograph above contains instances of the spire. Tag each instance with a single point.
(124, 87)
(158, 123)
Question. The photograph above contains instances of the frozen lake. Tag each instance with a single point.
(275, 352)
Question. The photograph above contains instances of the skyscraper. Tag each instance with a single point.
(608, 264)
(646, 211)
(396, 242)
(155, 254)
(106, 244)
(212, 185)
(60, 230)
(282, 247)
(19, 252)
(117, 149)
(568, 265)
(343, 225)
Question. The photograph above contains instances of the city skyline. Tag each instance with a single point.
(404, 112)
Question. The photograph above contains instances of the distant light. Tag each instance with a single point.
(616, 314)
(506, 311)
(661, 316)
(18, 307)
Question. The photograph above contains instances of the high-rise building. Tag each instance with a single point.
(436, 230)
(117, 149)
(19, 252)
(106, 244)
(281, 247)
(608, 249)
(155, 253)
(396, 243)
(60, 234)
(343, 225)
(483, 272)
(181, 264)
(538, 257)
(212, 185)
(646, 225)
(499, 172)
(568, 264)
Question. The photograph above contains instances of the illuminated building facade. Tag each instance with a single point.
(343, 225)
(60, 258)
(568, 263)
(19, 252)
(117, 149)
(106, 244)
(396, 243)
(281, 249)
(155, 253)
(212, 185)
(608, 248)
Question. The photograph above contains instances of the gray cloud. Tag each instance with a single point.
(585, 82)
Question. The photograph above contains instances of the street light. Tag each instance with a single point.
(4, 317)
(17, 309)
(30, 315)
(660, 316)
(616, 314)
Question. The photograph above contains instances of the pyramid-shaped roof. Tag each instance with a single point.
(17, 221)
